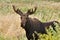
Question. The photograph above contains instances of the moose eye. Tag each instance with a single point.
(21, 17)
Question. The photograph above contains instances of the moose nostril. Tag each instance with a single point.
(22, 24)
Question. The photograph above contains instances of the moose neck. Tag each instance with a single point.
(28, 25)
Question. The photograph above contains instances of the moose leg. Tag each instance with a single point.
(29, 36)
(36, 36)
(53, 26)
(43, 30)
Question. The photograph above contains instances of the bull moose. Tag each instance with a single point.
(33, 24)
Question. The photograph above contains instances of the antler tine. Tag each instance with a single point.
(32, 11)
(14, 8)
(35, 8)
(17, 10)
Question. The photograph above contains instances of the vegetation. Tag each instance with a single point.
(10, 29)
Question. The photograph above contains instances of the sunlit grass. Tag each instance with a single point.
(10, 21)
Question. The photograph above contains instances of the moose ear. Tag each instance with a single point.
(31, 11)
(17, 10)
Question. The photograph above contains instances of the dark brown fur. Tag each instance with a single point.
(32, 24)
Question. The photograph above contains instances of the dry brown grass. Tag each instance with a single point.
(10, 25)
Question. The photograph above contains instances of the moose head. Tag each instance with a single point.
(24, 16)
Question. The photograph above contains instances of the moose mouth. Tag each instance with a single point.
(22, 25)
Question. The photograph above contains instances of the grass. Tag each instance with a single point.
(10, 21)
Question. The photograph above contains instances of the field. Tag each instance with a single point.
(10, 29)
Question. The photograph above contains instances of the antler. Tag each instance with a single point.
(17, 10)
(31, 11)
(34, 10)
(14, 8)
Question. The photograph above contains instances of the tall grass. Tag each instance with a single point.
(10, 21)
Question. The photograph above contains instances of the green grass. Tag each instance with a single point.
(47, 10)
